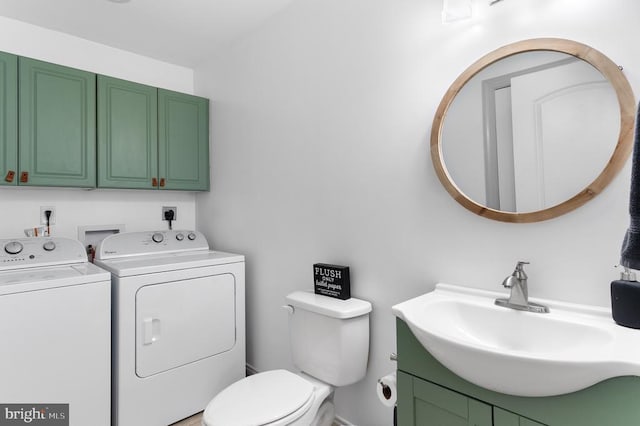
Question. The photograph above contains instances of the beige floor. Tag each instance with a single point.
(195, 420)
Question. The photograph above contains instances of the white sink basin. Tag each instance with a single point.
(517, 352)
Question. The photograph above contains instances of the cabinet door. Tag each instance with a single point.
(57, 125)
(127, 134)
(8, 119)
(183, 136)
(423, 403)
(506, 418)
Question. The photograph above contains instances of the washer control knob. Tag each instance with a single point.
(157, 237)
(179, 237)
(49, 246)
(13, 247)
(191, 236)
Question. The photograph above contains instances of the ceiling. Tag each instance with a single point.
(181, 32)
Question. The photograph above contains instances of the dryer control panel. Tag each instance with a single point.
(40, 251)
(150, 242)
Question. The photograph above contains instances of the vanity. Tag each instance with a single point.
(430, 394)
(505, 367)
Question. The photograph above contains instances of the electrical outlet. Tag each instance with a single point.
(175, 212)
(43, 217)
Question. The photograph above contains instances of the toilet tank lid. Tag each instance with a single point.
(329, 306)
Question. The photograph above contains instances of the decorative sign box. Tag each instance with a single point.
(332, 280)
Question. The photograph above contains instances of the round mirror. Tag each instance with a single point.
(533, 130)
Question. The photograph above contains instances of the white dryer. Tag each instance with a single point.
(178, 324)
(55, 333)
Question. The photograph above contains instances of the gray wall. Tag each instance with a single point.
(320, 135)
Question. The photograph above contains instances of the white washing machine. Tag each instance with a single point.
(178, 324)
(55, 331)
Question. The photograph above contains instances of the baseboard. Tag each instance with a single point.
(250, 370)
(339, 421)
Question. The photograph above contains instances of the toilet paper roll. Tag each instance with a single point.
(387, 389)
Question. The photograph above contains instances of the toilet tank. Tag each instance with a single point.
(329, 337)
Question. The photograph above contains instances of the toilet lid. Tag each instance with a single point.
(259, 399)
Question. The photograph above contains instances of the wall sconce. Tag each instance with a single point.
(455, 10)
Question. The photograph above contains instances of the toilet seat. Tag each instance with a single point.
(260, 399)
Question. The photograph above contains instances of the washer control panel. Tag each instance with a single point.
(40, 251)
(152, 242)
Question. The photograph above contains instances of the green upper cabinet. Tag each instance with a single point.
(183, 141)
(57, 125)
(64, 127)
(151, 138)
(127, 134)
(8, 119)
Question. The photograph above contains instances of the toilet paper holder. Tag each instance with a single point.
(386, 390)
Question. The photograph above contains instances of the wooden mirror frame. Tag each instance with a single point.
(624, 146)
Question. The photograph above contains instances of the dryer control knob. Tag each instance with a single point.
(191, 236)
(157, 237)
(13, 247)
(49, 246)
(179, 237)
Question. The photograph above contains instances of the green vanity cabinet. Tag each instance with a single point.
(151, 138)
(183, 141)
(8, 118)
(57, 125)
(127, 134)
(613, 402)
(505, 418)
(430, 404)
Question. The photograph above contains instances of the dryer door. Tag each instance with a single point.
(181, 322)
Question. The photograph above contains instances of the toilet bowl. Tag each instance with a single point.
(272, 398)
(329, 345)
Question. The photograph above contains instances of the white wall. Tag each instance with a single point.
(321, 122)
(137, 210)
(40, 43)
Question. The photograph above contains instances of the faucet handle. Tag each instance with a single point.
(519, 271)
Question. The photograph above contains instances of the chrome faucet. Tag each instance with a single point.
(519, 297)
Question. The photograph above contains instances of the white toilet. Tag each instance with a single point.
(330, 345)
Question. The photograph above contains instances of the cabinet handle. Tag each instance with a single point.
(162, 182)
(154, 182)
(24, 177)
(10, 175)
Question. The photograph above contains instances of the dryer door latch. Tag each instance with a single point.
(151, 330)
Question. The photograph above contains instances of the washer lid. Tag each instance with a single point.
(259, 399)
(32, 279)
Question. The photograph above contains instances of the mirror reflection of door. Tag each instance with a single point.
(535, 158)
